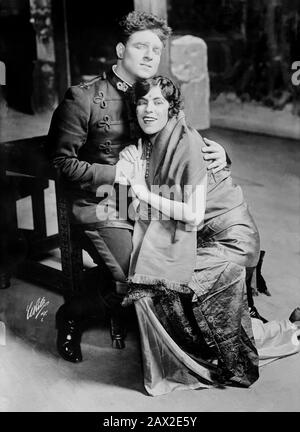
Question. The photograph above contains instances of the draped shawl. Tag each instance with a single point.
(164, 251)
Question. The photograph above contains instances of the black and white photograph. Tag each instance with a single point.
(149, 209)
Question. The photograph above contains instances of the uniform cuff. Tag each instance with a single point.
(104, 174)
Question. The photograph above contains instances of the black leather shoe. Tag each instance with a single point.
(255, 314)
(68, 337)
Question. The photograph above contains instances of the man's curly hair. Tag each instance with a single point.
(138, 21)
(168, 89)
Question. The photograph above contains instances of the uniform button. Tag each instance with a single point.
(107, 145)
(103, 104)
(97, 99)
(106, 118)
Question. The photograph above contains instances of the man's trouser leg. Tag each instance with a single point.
(110, 249)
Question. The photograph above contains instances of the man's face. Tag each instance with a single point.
(152, 111)
(141, 55)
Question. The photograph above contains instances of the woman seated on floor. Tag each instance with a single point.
(193, 239)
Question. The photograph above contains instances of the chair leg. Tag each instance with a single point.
(71, 252)
(261, 283)
(117, 332)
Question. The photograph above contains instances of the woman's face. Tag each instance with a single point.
(152, 111)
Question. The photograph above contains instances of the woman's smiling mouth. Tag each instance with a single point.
(149, 119)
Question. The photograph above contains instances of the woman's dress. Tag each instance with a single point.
(195, 329)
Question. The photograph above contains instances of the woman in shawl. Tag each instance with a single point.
(193, 239)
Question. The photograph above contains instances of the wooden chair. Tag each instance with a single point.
(27, 172)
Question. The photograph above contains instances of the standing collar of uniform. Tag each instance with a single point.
(118, 82)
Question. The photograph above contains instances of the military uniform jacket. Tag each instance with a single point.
(88, 130)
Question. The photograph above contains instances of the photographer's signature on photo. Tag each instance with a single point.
(38, 309)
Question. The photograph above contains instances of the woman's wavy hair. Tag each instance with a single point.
(138, 21)
(168, 89)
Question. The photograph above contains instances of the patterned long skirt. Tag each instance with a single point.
(202, 337)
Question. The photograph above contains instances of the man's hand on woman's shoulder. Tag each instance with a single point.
(214, 152)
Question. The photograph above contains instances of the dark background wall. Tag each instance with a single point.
(92, 36)
(251, 44)
(17, 51)
(92, 30)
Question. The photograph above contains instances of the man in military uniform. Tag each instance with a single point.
(88, 130)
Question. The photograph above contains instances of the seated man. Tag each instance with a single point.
(88, 130)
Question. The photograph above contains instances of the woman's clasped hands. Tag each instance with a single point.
(136, 178)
